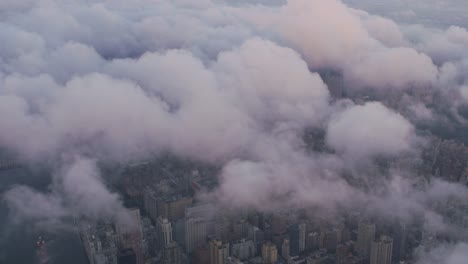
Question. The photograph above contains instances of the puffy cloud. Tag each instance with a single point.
(302, 22)
(385, 30)
(274, 82)
(445, 253)
(367, 130)
(403, 68)
(78, 191)
(222, 82)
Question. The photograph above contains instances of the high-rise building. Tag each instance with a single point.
(173, 207)
(343, 251)
(150, 237)
(201, 255)
(219, 252)
(243, 249)
(165, 231)
(302, 236)
(279, 228)
(196, 233)
(285, 250)
(130, 233)
(381, 250)
(198, 226)
(294, 240)
(172, 254)
(126, 256)
(257, 236)
(400, 241)
(178, 232)
(313, 241)
(331, 239)
(297, 238)
(269, 253)
(239, 229)
(150, 203)
(222, 228)
(365, 237)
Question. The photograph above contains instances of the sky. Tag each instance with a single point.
(440, 13)
(84, 82)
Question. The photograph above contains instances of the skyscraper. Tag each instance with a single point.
(219, 252)
(313, 241)
(269, 253)
(197, 226)
(130, 233)
(302, 236)
(366, 235)
(293, 233)
(285, 249)
(196, 232)
(243, 249)
(126, 256)
(343, 251)
(381, 250)
(164, 231)
(172, 254)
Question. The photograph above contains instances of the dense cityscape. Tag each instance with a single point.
(173, 226)
(233, 132)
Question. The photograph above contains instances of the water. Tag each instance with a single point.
(18, 240)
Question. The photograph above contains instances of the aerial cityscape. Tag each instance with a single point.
(233, 132)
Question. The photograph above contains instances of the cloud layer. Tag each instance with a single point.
(232, 84)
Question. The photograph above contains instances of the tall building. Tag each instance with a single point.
(130, 233)
(126, 256)
(239, 229)
(313, 241)
(297, 237)
(302, 236)
(331, 239)
(365, 237)
(172, 254)
(243, 249)
(219, 252)
(343, 251)
(257, 236)
(222, 228)
(150, 203)
(173, 207)
(400, 241)
(381, 250)
(196, 233)
(150, 237)
(269, 253)
(100, 242)
(285, 250)
(198, 226)
(165, 231)
(279, 229)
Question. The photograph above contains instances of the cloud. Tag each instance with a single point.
(322, 46)
(403, 68)
(445, 253)
(77, 191)
(363, 131)
(230, 83)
